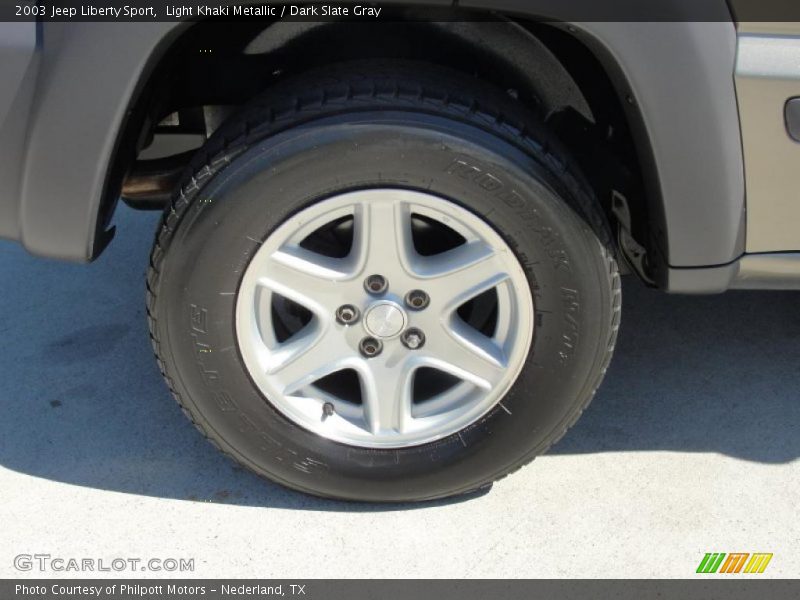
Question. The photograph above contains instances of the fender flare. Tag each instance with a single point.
(683, 115)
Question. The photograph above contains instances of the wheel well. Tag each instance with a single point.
(210, 70)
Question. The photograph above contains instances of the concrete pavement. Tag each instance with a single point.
(690, 447)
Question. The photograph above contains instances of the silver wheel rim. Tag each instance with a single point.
(418, 388)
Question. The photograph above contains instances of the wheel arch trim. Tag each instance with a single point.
(703, 205)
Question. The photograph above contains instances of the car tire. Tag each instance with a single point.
(463, 159)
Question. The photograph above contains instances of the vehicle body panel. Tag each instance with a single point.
(18, 58)
(79, 82)
(767, 75)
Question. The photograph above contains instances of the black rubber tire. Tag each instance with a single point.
(398, 124)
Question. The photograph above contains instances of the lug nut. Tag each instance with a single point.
(376, 284)
(347, 314)
(370, 347)
(413, 338)
(417, 300)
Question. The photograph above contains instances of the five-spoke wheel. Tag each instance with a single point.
(421, 362)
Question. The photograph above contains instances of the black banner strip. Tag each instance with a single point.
(441, 10)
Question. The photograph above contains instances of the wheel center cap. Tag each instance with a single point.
(385, 319)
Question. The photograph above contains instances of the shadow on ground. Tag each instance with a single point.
(82, 401)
